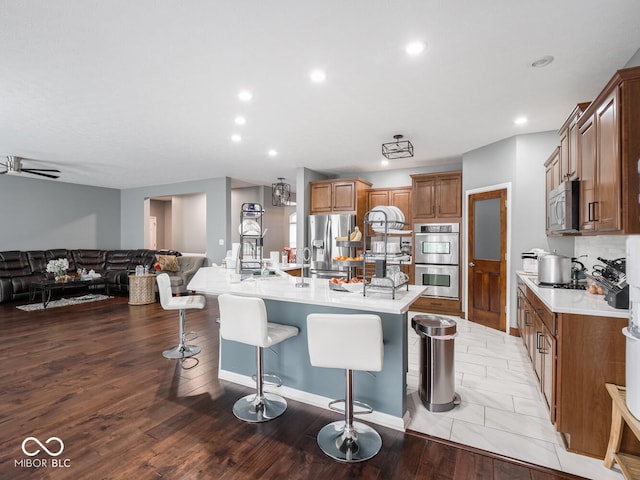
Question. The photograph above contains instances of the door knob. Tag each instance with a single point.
(471, 264)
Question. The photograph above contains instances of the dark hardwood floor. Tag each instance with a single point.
(93, 376)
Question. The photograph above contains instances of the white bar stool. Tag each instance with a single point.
(169, 302)
(350, 342)
(244, 320)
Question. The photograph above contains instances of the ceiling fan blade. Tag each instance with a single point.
(2, 173)
(41, 174)
(33, 170)
(4, 165)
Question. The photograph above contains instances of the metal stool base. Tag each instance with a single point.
(366, 446)
(251, 410)
(181, 351)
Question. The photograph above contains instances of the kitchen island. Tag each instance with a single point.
(288, 304)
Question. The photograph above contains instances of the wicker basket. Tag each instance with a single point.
(142, 289)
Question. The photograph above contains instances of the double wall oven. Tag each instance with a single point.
(436, 258)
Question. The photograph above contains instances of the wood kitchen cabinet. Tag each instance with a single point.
(573, 357)
(347, 195)
(437, 196)
(552, 180)
(397, 197)
(609, 150)
(569, 154)
(536, 325)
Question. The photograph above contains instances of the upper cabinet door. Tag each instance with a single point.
(344, 196)
(449, 196)
(587, 145)
(608, 165)
(402, 200)
(321, 198)
(424, 205)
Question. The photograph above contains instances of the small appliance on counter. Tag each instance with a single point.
(613, 278)
(632, 332)
(530, 260)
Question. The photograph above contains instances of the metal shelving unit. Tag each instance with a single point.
(350, 266)
(383, 259)
(251, 238)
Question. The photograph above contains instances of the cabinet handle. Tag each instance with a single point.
(592, 211)
(538, 337)
(589, 205)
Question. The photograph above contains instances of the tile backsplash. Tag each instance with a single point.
(605, 246)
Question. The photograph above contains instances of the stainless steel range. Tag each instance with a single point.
(436, 255)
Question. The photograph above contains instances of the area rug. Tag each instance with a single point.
(63, 302)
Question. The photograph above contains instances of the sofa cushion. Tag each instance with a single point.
(143, 257)
(118, 259)
(54, 253)
(14, 263)
(167, 263)
(90, 259)
(37, 261)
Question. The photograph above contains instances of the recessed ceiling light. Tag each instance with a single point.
(272, 153)
(236, 138)
(384, 162)
(318, 76)
(245, 95)
(240, 120)
(542, 62)
(415, 48)
(520, 120)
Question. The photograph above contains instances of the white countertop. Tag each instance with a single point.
(578, 302)
(216, 280)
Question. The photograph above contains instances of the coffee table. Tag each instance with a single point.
(46, 287)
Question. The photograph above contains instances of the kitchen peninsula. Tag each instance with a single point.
(288, 304)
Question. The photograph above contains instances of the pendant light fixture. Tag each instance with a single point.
(398, 149)
(280, 193)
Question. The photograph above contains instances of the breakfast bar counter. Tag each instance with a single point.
(288, 304)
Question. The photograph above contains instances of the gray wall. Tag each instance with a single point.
(218, 212)
(402, 177)
(634, 61)
(40, 214)
(519, 161)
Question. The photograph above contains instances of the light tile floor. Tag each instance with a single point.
(501, 408)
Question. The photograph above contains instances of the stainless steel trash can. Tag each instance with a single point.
(437, 369)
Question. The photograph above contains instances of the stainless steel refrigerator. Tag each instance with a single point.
(323, 230)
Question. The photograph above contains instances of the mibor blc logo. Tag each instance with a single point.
(53, 447)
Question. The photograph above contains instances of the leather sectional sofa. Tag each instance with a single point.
(18, 270)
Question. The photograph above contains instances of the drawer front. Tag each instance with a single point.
(547, 317)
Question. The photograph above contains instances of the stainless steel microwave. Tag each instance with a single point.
(563, 209)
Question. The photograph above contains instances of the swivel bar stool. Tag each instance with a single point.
(244, 320)
(169, 302)
(350, 342)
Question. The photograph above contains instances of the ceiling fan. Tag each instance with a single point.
(14, 165)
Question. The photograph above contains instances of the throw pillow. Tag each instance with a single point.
(168, 263)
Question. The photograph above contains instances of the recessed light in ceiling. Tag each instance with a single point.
(245, 95)
(318, 76)
(384, 162)
(542, 62)
(236, 138)
(520, 120)
(272, 153)
(240, 120)
(415, 48)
